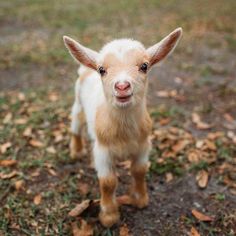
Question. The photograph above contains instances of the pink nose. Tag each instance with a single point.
(122, 86)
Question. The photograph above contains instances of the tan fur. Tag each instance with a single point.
(109, 208)
(139, 189)
(77, 142)
(118, 131)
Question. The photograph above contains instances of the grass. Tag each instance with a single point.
(34, 54)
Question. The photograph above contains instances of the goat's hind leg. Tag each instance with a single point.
(77, 120)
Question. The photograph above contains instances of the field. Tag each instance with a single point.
(192, 100)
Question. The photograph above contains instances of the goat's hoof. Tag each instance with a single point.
(109, 219)
(74, 154)
(141, 201)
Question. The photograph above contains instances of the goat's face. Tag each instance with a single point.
(124, 73)
(123, 66)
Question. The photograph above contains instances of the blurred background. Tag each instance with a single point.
(192, 97)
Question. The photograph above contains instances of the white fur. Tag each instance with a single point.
(103, 162)
(119, 47)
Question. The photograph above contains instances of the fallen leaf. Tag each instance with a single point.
(19, 184)
(79, 208)
(27, 132)
(35, 143)
(7, 118)
(37, 199)
(21, 96)
(5, 146)
(194, 232)
(200, 216)
(228, 117)
(84, 230)
(193, 156)
(124, 231)
(51, 150)
(53, 96)
(200, 124)
(7, 162)
(169, 177)
(210, 145)
(9, 176)
(180, 145)
(202, 178)
(21, 121)
(52, 172)
(164, 121)
(162, 94)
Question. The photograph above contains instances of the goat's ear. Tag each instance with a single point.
(165, 47)
(84, 55)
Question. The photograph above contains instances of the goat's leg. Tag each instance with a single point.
(109, 212)
(76, 142)
(139, 168)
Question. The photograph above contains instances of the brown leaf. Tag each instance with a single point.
(200, 216)
(9, 176)
(124, 231)
(21, 121)
(228, 117)
(51, 150)
(79, 208)
(84, 230)
(194, 232)
(215, 135)
(5, 146)
(53, 97)
(27, 132)
(7, 118)
(7, 162)
(19, 184)
(197, 121)
(180, 145)
(169, 177)
(52, 172)
(210, 145)
(37, 199)
(164, 121)
(162, 94)
(193, 156)
(202, 178)
(35, 143)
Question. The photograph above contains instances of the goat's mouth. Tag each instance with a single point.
(123, 98)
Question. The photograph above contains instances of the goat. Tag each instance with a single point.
(111, 92)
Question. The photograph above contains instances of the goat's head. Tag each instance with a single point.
(123, 66)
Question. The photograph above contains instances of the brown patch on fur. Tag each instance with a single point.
(109, 208)
(139, 189)
(76, 145)
(120, 128)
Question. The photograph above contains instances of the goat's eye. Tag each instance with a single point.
(144, 67)
(101, 70)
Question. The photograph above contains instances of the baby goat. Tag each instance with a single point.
(111, 92)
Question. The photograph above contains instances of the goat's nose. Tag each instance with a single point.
(122, 86)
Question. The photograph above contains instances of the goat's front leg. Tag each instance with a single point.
(109, 212)
(139, 168)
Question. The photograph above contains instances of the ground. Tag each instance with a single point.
(192, 99)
